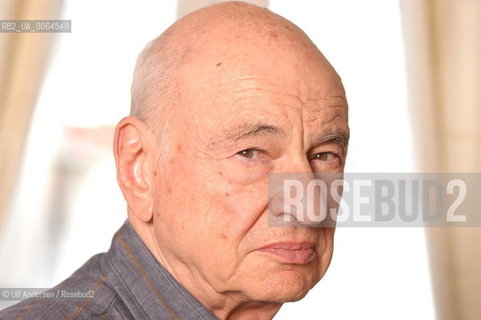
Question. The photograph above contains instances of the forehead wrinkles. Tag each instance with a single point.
(253, 93)
(324, 109)
(258, 97)
(235, 92)
(247, 88)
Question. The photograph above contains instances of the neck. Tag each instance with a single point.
(224, 305)
(249, 310)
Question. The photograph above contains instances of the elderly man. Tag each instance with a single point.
(222, 99)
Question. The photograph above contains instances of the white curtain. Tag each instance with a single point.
(443, 43)
(23, 60)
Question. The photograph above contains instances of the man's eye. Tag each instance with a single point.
(249, 153)
(325, 156)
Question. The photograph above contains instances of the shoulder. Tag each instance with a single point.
(84, 295)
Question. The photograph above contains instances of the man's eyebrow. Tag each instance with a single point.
(339, 136)
(249, 129)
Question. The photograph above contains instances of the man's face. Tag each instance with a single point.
(239, 120)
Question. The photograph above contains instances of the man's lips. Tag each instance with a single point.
(291, 252)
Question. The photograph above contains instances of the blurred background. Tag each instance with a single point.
(411, 69)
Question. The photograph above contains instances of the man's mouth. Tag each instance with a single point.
(291, 252)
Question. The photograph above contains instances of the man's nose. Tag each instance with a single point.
(296, 197)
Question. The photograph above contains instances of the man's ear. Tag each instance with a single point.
(132, 151)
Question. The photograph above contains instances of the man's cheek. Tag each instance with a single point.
(242, 207)
(236, 172)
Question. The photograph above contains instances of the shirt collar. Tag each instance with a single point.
(146, 287)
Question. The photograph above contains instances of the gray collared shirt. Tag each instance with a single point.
(126, 282)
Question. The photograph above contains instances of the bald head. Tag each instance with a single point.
(229, 33)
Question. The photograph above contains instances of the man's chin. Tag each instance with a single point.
(286, 286)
